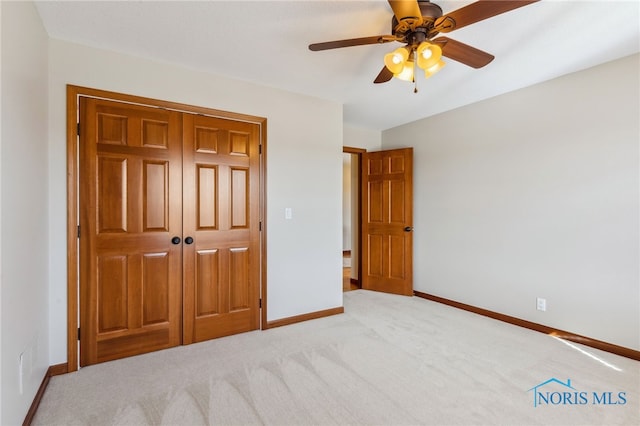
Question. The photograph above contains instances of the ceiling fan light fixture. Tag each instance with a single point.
(406, 74)
(395, 61)
(428, 55)
(434, 68)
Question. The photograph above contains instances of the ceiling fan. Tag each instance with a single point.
(415, 23)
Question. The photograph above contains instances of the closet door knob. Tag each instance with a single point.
(188, 240)
(175, 240)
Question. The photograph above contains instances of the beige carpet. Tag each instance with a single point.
(389, 360)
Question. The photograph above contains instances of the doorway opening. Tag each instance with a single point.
(351, 218)
(381, 235)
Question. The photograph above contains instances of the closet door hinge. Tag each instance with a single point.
(260, 226)
(78, 231)
(260, 149)
(78, 129)
(78, 333)
(260, 303)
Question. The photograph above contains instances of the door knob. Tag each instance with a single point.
(188, 240)
(408, 228)
(175, 240)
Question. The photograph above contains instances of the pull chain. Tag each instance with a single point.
(415, 81)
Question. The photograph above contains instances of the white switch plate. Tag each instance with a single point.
(541, 304)
(288, 213)
(20, 372)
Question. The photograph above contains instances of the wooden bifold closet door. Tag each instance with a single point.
(169, 228)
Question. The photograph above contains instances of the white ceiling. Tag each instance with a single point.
(265, 42)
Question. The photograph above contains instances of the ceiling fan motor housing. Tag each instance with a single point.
(430, 12)
(416, 37)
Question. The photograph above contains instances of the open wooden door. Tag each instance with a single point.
(387, 221)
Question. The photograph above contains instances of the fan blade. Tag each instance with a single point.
(407, 13)
(351, 42)
(384, 76)
(476, 12)
(463, 53)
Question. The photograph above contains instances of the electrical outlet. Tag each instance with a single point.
(541, 304)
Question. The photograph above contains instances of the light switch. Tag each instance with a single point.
(288, 214)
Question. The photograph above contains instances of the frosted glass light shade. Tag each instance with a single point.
(428, 55)
(434, 68)
(407, 72)
(396, 60)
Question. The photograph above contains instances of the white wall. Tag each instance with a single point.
(24, 208)
(304, 172)
(535, 194)
(358, 137)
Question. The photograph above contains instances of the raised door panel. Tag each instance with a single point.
(396, 202)
(112, 194)
(376, 212)
(239, 283)
(111, 128)
(239, 198)
(156, 288)
(207, 199)
(397, 258)
(155, 134)
(113, 295)
(375, 248)
(207, 282)
(155, 196)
